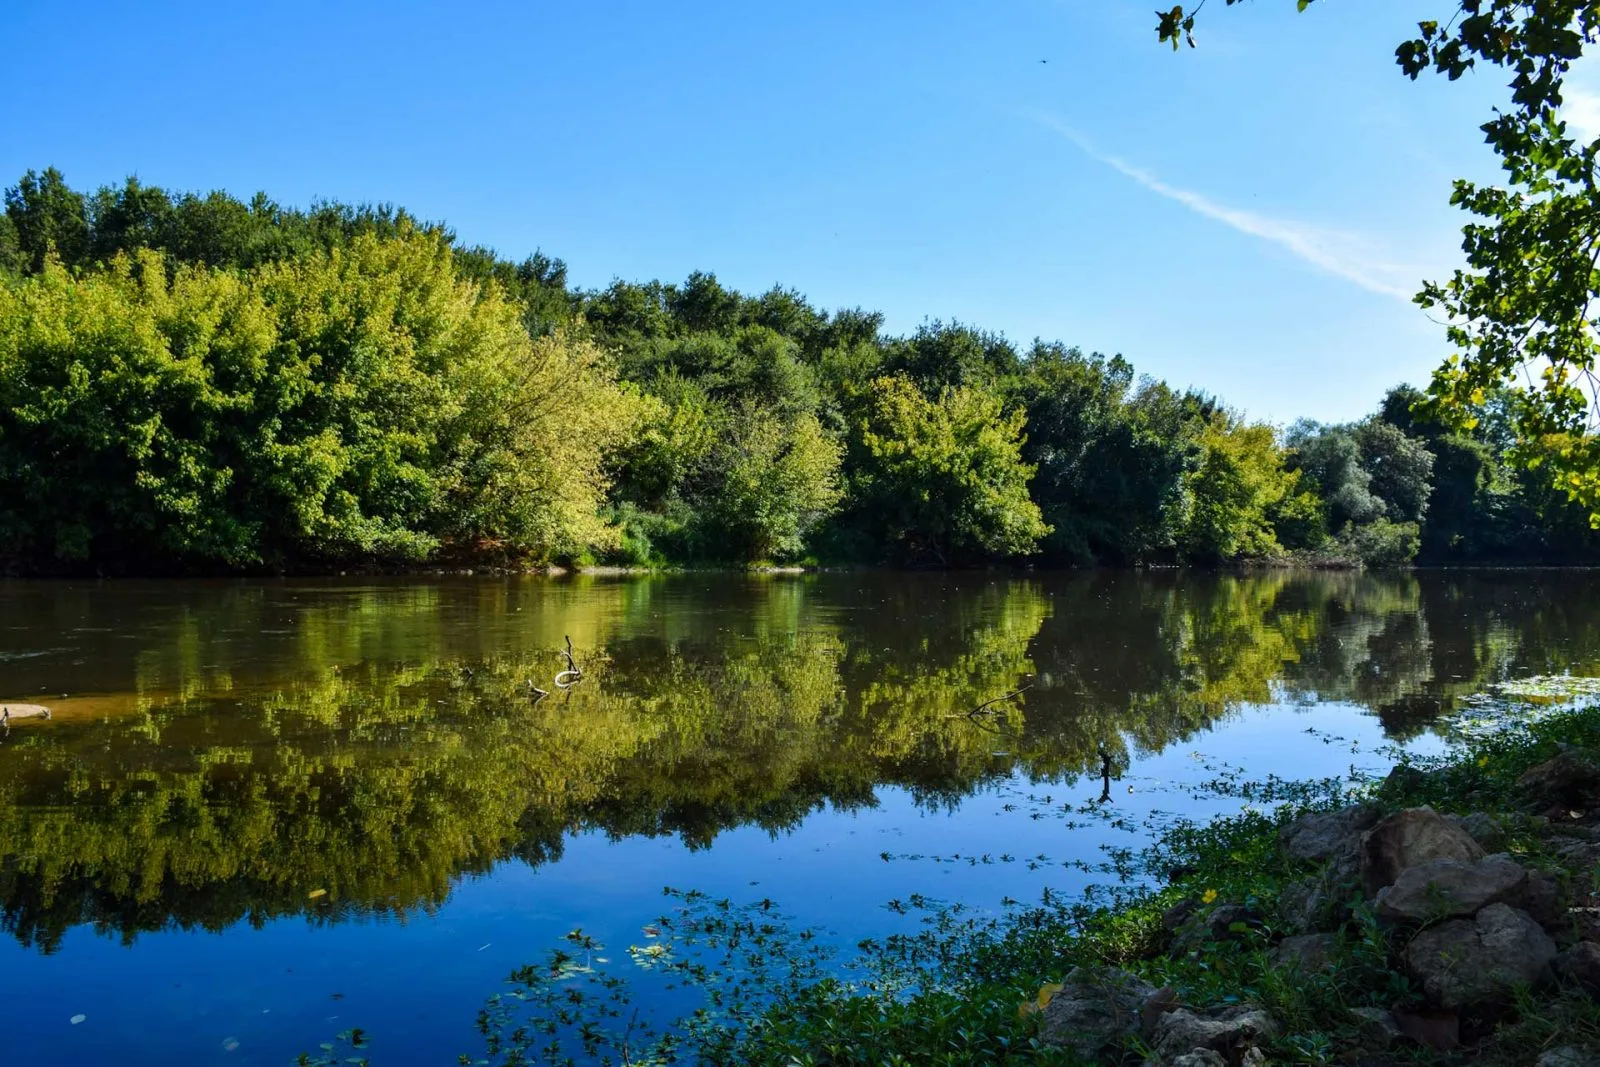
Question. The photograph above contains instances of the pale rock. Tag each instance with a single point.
(1095, 1009)
(1445, 889)
(1409, 838)
(1378, 1028)
(1200, 1057)
(1483, 960)
(1568, 1056)
(1305, 953)
(1324, 835)
(1571, 779)
(1581, 964)
(1182, 1030)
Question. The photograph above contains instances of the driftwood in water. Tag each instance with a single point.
(10, 713)
(573, 674)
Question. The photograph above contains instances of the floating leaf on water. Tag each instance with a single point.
(648, 956)
(76, 1019)
(315, 893)
(569, 970)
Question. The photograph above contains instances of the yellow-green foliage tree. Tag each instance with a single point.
(124, 399)
(944, 478)
(780, 478)
(362, 402)
(1234, 491)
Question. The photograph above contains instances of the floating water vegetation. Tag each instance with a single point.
(1558, 687)
(1519, 704)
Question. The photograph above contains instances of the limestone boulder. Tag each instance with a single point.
(1307, 906)
(1200, 1057)
(1483, 960)
(1096, 1009)
(1377, 1029)
(1325, 835)
(1227, 1032)
(1543, 899)
(1226, 922)
(1305, 953)
(1570, 779)
(1569, 1056)
(1446, 889)
(1409, 838)
(1581, 964)
(1489, 832)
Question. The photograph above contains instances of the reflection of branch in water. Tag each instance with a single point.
(982, 708)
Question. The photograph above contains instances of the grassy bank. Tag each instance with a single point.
(1214, 936)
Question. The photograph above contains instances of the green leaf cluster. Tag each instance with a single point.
(194, 382)
(360, 402)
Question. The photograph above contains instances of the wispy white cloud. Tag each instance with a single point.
(1336, 252)
(1581, 109)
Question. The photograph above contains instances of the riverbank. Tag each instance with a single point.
(1445, 914)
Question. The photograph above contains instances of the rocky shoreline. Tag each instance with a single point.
(1474, 917)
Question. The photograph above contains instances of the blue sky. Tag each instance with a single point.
(1247, 217)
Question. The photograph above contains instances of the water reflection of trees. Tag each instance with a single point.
(377, 742)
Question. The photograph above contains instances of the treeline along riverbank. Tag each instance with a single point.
(195, 383)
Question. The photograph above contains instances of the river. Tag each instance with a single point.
(267, 811)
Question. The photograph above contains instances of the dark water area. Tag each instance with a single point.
(264, 812)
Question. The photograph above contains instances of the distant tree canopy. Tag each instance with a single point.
(201, 383)
(1522, 315)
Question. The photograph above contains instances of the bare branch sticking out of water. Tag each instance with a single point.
(573, 674)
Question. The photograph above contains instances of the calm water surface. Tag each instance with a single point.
(268, 811)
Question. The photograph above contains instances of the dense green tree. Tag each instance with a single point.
(1400, 469)
(121, 403)
(10, 246)
(779, 478)
(1233, 492)
(1373, 482)
(1330, 458)
(386, 428)
(940, 355)
(360, 402)
(49, 218)
(1108, 456)
(942, 480)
